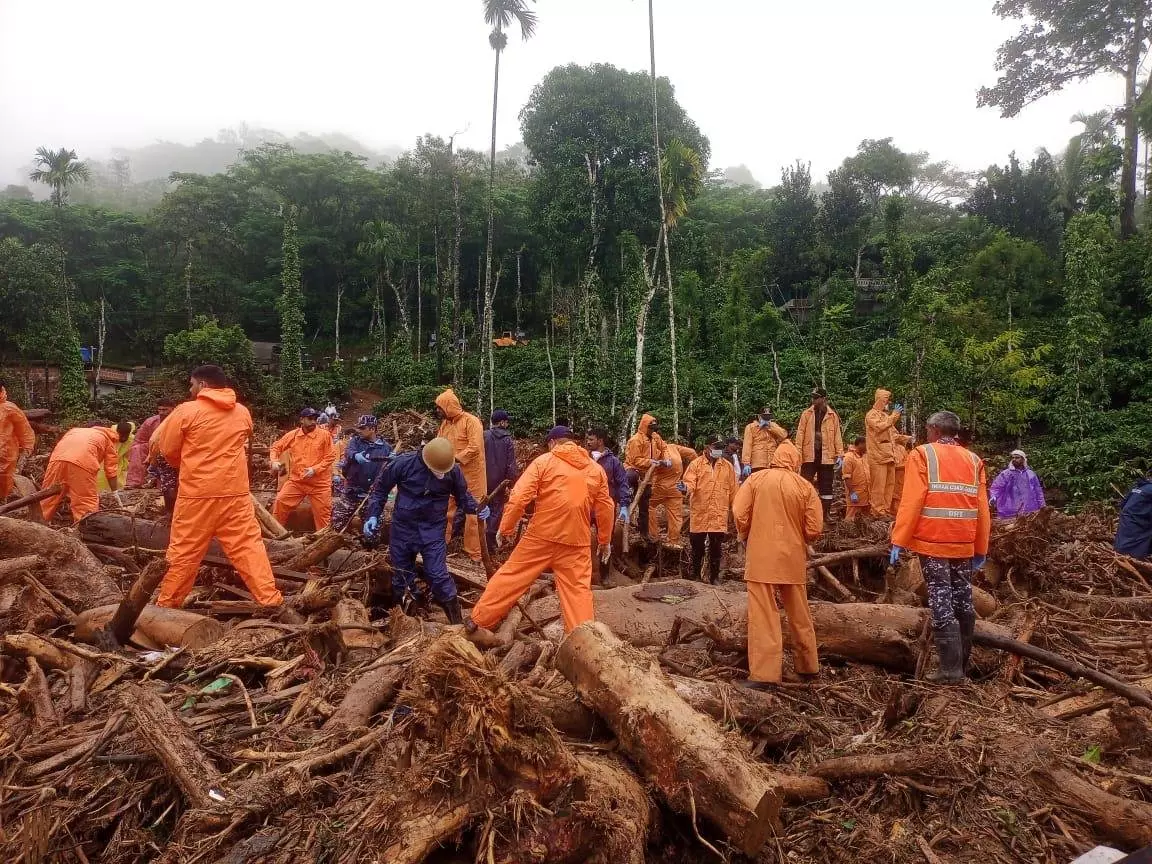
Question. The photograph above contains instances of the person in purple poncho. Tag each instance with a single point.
(1016, 490)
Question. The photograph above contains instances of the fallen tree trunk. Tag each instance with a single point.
(877, 633)
(368, 695)
(694, 765)
(1118, 819)
(900, 764)
(167, 737)
(72, 573)
(155, 627)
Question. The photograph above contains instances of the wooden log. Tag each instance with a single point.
(80, 678)
(9, 566)
(833, 584)
(369, 694)
(37, 695)
(881, 634)
(168, 737)
(1111, 817)
(900, 764)
(73, 574)
(123, 623)
(323, 547)
(27, 500)
(360, 643)
(520, 656)
(1087, 703)
(693, 764)
(268, 522)
(156, 626)
(1107, 606)
(32, 646)
(23, 486)
(830, 558)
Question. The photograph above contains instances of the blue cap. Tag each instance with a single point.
(500, 415)
(559, 432)
(367, 420)
(309, 412)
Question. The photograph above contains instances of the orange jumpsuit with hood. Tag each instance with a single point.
(15, 436)
(900, 451)
(205, 440)
(760, 443)
(312, 449)
(641, 451)
(880, 430)
(858, 480)
(568, 487)
(666, 495)
(466, 433)
(778, 514)
(74, 464)
(711, 488)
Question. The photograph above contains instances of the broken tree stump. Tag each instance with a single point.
(168, 737)
(123, 622)
(155, 628)
(696, 767)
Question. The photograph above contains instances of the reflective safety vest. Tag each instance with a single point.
(952, 505)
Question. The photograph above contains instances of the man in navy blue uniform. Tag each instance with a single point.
(424, 481)
(1134, 534)
(363, 459)
(500, 465)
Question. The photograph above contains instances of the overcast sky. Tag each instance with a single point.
(768, 81)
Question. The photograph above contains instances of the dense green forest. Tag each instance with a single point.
(1019, 297)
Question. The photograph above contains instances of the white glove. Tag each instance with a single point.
(501, 542)
(605, 554)
(118, 498)
(275, 467)
(309, 473)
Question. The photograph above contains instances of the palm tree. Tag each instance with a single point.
(59, 169)
(499, 15)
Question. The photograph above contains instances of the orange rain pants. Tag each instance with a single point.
(79, 485)
(673, 503)
(571, 565)
(232, 521)
(317, 491)
(882, 476)
(765, 640)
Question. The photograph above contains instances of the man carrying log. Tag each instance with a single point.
(777, 515)
(944, 519)
(425, 480)
(364, 458)
(17, 442)
(645, 451)
(206, 440)
(567, 488)
(76, 461)
(312, 454)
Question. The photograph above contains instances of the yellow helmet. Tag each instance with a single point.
(439, 455)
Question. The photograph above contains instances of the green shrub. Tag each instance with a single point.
(131, 403)
(226, 347)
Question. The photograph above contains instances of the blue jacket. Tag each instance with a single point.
(1134, 534)
(500, 457)
(358, 478)
(421, 497)
(618, 486)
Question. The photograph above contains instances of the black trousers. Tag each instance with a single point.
(822, 477)
(715, 540)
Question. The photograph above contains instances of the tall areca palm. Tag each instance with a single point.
(60, 170)
(499, 15)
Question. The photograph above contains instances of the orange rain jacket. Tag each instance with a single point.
(760, 443)
(466, 433)
(778, 513)
(944, 506)
(15, 435)
(314, 449)
(90, 448)
(879, 430)
(856, 478)
(568, 487)
(205, 440)
(831, 440)
(641, 450)
(711, 488)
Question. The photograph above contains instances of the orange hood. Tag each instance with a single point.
(646, 421)
(786, 456)
(573, 454)
(883, 397)
(223, 398)
(449, 404)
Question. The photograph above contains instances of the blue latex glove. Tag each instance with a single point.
(746, 471)
(370, 525)
(484, 513)
(337, 483)
(894, 557)
(899, 409)
(362, 458)
(681, 488)
(854, 498)
(839, 463)
(667, 463)
(623, 517)
(978, 562)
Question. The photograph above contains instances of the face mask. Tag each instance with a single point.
(715, 454)
(438, 475)
(596, 455)
(763, 423)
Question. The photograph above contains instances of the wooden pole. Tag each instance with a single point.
(20, 503)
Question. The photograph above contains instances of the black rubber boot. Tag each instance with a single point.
(951, 654)
(967, 628)
(452, 610)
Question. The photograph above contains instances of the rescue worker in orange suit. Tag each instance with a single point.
(568, 488)
(16, 442)
(312, 453)
(644, 450)
(466, 433)
(76, 461)
(205, 439)
(761, 438)
(821, 444)
(711, 484)
(857, 483)
(668, 492)
(944, 518)
(880, 429)
(777, 515)
(900, 445)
